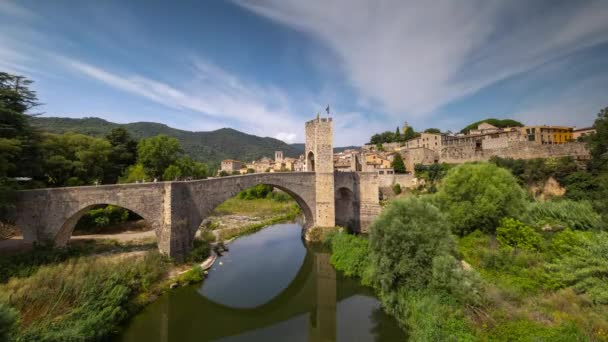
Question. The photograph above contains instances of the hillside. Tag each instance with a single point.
(500, 123)
(209, 147)
(301, 146)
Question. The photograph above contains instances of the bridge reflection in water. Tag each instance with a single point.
(317, 305)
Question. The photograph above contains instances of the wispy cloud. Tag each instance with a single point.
(414, 57)
(211, 91)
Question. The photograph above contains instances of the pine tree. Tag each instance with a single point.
(398, 164)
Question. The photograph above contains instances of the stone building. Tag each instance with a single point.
(582, 132)
(231, 165)
(421, 155)
(431, 141)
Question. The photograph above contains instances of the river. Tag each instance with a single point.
(269, 287)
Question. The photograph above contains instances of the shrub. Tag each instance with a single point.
(427, 316)
(477, 196)
(397, 189)
(450, 278)
(199, 252)
(102, 217)
(567, 213)
(404, 239)
(8, 322)
(351, 255)
(513, 234)
(81, 299)
(566, 240)
(256, 192)
(585, 267)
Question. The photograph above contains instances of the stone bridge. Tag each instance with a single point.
(175, 210)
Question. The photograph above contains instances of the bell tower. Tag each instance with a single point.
(319, 154)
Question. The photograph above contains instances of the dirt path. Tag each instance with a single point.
(16, 243)
(122, 237)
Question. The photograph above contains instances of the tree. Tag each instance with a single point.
(397, 134)
(478, 196)
(404, 240)
(74, 159)
(123, 154)
(398, 164)
(432, 130)
(409, 133)
(157, 153)
(19, 142)
(135, 173)
(172, 173)
(598, 143)
(185, 168)
(495, 122)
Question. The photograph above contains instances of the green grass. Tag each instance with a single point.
(554, 294)
(25, 264)
(263, 207)
(83, 298)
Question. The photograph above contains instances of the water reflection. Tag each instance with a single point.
(322, 322)
(312, 303)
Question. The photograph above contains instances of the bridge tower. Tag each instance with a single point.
(319, 154)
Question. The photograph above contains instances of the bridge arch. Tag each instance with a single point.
(310, 162)
(51, 214)
(208, 194)
(347, 209)
(66, 230)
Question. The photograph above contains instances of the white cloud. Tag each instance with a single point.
(289, 138)
(211, 91)
(414, 57)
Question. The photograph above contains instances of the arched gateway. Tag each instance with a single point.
(176, 209)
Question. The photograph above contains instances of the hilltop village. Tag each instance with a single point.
(432, 147)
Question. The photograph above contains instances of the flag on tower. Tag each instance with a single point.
(327, 109)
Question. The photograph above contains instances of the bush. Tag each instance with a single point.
(351, 255)
(567, 213)
(405, 238)
(451, 279)
(397, 189)
(513, 234)
(81, 299)
(199, 252)
(102, 217)
(8, 322)
(477, 196)
(256, 192)
(428, 316)
(585, 266)
(566, 240)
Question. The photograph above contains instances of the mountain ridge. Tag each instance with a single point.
(206, 146)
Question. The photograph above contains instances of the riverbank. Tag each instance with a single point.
(85, 291)
(237, 217)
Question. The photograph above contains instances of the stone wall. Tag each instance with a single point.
(517, 150)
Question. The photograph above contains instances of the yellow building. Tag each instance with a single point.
(377, 161)
(548, 135)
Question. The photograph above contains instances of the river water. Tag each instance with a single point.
(269, 287)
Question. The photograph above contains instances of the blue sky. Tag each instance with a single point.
(266, 66)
